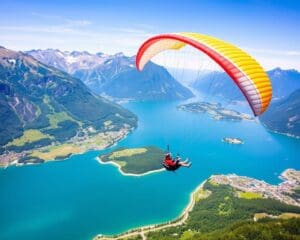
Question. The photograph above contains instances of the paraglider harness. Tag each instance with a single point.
(169, 163)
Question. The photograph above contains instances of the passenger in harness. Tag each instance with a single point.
(171, 164)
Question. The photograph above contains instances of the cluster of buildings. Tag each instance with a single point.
(287, 191)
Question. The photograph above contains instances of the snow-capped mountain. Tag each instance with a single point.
(69, 61)
(115, 75)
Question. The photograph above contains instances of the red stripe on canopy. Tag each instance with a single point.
(233, 72)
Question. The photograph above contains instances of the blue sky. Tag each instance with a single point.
(269, 30)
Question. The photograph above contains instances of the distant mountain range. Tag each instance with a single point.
(34, 95)
(49, 103)
(115, 75)
(284, 82)
(283, 116)
(217, 84)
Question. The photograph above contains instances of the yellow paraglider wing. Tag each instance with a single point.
(244, 70)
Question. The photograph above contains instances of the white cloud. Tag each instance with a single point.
(272, 58)
(284, 62)
(80, 34)
(77, 23)
(63, 20)
(37, 29)
(71, 38)
(273, 52)
(131, 30)
(74, 34)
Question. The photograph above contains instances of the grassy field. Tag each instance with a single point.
(127, 153)
(289, 215)
(97, 141)
(249, 195)
(29, 136)
(136, 160)
(212, 182)
(56, 118)
(56, 152)
(286, 215)
(202, 194)
(225, 207)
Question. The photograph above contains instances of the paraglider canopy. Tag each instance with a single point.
(244, 70)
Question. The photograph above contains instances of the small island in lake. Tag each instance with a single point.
(215, 110)
(232, 140)
(135, 161)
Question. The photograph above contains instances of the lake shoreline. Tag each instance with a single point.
(96, 191)
(280, 133)
(128, 174)
(290, 177)
(183, 216)
(71, 149)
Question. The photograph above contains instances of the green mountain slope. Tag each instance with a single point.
(40, 105)
(223, 215)
(284, 115)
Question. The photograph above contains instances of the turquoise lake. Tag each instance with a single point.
(79, 198)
